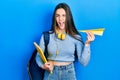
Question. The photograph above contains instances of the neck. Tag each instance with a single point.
(61, 30)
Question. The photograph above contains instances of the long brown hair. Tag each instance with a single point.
(69, 24)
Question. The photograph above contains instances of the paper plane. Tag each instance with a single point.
(98, 31)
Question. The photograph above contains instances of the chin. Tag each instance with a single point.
(62, 28)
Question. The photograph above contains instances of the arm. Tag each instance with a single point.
(48, 65)
(38, 59)
(83, 51)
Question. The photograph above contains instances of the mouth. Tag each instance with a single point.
(61, 24)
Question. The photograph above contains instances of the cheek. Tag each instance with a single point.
(57, 19)
(64, 18)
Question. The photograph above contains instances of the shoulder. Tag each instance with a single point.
(78, 38)
(49, 32)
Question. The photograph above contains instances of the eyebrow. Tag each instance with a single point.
(59, 14)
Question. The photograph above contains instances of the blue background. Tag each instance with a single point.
(23, 21)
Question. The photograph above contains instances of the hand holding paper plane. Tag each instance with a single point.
(41, 53)
(98, 31)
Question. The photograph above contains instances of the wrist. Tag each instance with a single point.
(42, 66)
(87, 43)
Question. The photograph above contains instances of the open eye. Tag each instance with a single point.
(64, 15)
(57, 15)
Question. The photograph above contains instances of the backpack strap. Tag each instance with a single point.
(46, 41)
(34, 71)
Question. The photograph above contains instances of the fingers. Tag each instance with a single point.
(48, 66)
(90, 36)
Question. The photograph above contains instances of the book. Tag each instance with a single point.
(41, 53)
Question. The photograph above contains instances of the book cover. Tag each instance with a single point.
(40, 52)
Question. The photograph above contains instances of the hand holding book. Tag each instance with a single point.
(41, 54)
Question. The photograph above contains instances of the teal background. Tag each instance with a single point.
(23, 21)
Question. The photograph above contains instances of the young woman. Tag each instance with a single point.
(64, 41)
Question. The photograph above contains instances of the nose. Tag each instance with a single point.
(60, 18)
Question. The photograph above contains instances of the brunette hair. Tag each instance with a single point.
(69, 23)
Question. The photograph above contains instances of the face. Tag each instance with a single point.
(60, 18)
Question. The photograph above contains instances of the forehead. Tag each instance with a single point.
(60, 11)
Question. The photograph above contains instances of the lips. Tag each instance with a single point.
(61, 24)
